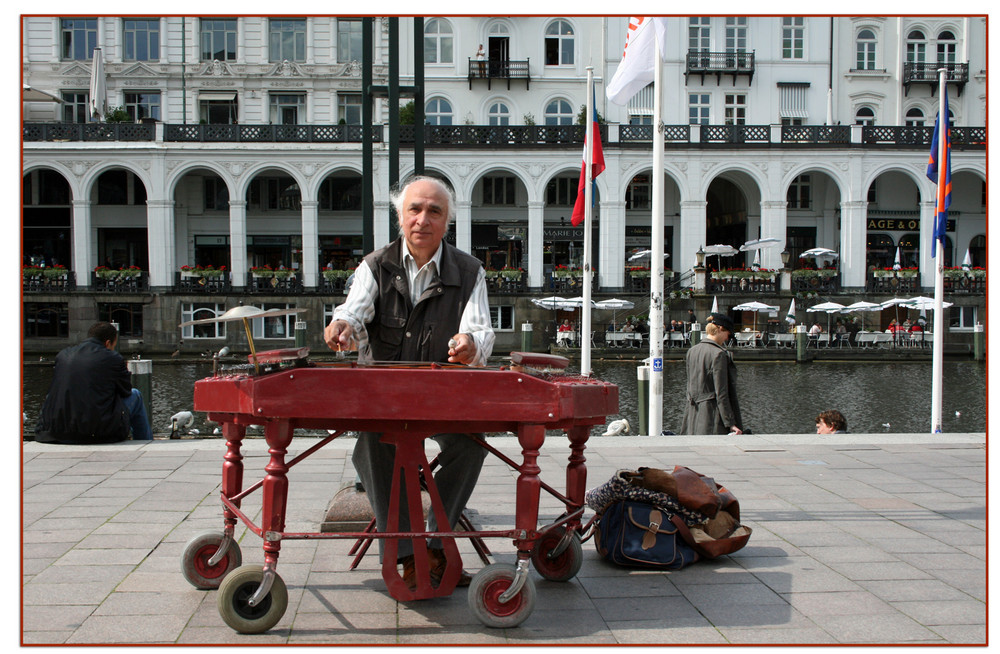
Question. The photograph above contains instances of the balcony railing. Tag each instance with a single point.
(88, 132)
(271, 285)
(702, 62)
(822, 282)
(927, 73)
(42, 283)
(892, 283)
(202, 284)
(503, 283)
(525, 136)
(122, 283)
(491, 69)
(270, 133)
(743, 284)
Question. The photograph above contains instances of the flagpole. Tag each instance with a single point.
(656, 260)
(938, 244)
(588, 224)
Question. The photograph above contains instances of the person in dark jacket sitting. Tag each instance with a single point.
(91, 399)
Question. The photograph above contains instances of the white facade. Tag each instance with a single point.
(707, 184)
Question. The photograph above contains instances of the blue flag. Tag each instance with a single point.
(941, 175)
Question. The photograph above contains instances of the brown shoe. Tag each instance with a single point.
(409, 572)
(438, 564)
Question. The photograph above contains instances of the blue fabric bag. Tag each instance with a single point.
(636, 534)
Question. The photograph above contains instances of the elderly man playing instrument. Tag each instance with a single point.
(418, 299)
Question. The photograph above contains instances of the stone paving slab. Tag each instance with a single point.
(858, 539)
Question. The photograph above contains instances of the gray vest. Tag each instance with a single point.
(401, 331)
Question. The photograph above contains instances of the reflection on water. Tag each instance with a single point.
(775, 397)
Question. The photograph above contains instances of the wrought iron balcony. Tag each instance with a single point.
(520, 135)
(48, 282)
(270, 133)
(491, 69)
(927, 73)
(703, 62)
(88, 132)
(202, 284)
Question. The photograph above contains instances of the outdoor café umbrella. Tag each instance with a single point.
(720, 251)
(98, 88)
(896, 301)
(896, 265)
(553, 302)
(757, 245)
(829, 308)
(29, 94)
(715, 304)
(790, 316)
(819, 254)
(922, 303)
(967, 261)
(863, 307)
(644, 254)
(755, 307)
(614, 304)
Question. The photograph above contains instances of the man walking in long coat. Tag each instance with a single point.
(712, 407)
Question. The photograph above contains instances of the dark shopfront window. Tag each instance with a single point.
(341, 252)
(211, 250)
(46, 320)
(128, 316)
(498, 246)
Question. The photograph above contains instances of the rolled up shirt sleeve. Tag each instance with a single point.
(359, 308)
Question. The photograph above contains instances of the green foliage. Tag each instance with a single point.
(407, 113)
(582, 116)
(117, 115)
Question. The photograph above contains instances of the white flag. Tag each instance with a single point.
(636, 68)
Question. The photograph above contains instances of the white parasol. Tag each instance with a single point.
(967, 261)
(756, 261)
(922, 303)
(790, 316)
(864, 307)
(756, 307)
(29, 94)
(715, 304)
(613, 305)
(897, 263)
(98, 104)
(644, 254)
(759, 244)
(553, 302)
(828, 308)
(720, 251)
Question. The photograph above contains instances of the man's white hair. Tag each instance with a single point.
(396, 197)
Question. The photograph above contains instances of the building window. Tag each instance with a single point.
(142, 39)
(872, 196)
(46, 320)
(864, 116)
(79, 38)
(127, 315)
(640, 119)
(218, 39)
(287, 40)
(866, 44)
(217, 108)
(736, 34)
(286, 108)
(120, 187)
(502, 318)
(74, 108)
(561, 191)
(736, 109)
(916, 47)
(438, 42)
(274, 194)
(349, 108)
(559, 40)
(793, 101)
(946, 48)
(639, 194)
(699, 105)
(915, 117)
(141, 105)
(962, 317)
(202, 311)
(800, 193)
(340, 194)
(216, 194)
(438, 112)
(274, 326)
(559, 112)
(349, 47)
(699, 34)
(498, 114)
(793, 37)
(499, 191)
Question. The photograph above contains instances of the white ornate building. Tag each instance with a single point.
(811, 130)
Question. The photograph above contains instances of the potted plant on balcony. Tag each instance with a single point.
(511, 274)
(211, 272)
(103, 272)
(32, 272)
(283, 273)
(638, 271)
(132, 272)
(331, 275)
(262, 271)
(566, 271)
(742, 273)
(54, 272)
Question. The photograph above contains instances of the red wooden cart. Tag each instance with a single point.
(407, 403)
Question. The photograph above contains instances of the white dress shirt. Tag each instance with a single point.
(359, 308)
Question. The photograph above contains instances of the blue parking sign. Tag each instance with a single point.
(658, 365)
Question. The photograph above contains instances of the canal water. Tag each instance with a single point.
(775, 397)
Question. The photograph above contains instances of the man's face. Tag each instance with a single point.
(823, 428)
(425, 216)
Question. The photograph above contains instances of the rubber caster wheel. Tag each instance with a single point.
(563, 567)
(484, 597)
(235, 592)
(197, 553)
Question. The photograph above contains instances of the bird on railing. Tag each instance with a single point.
(180, 420)
(616, 427)
(223, 352)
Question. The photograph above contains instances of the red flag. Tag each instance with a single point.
(596, 167)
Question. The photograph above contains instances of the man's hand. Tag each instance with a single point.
(463, 350)
(735, 430)
(338, 335)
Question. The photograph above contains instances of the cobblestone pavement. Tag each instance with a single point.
(857, 538)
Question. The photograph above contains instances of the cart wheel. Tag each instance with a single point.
(560, 568)
(198, 551)
(237, 588)
(484, 597)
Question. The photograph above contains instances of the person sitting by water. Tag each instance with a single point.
(831, 422)
(565, 326)
(916, 327)
(893, 327)
(815, 330)
(91, 399)
(628, 326)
